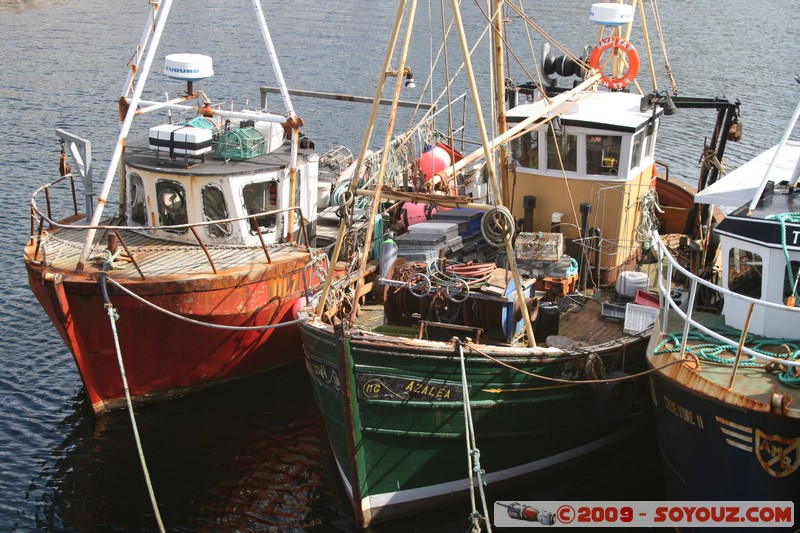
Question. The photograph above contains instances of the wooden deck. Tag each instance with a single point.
(752, 382)
(157, 258)
(581, 323)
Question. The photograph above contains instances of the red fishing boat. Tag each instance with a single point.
(193, 280)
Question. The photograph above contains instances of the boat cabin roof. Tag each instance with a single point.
(738, 187)
(757, 228)
(140, 155)
(610, 111)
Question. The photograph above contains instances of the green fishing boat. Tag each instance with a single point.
(498, 334)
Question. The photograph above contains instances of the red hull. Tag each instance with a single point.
(164, 356)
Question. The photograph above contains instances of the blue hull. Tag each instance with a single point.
(714, 451)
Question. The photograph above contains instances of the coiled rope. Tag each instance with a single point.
(112, 318)
(709, 349)
(471, 273)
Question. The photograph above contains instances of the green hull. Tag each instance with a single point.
(394, 412)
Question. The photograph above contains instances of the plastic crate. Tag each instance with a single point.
(611, 311)
(639, 318)
(646, 299)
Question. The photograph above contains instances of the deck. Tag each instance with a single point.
(580, 322)
(156, 258)
(752, 382)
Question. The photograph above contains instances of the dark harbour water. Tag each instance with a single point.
(253, 456)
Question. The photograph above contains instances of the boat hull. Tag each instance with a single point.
(712, 449)
(166, 356)
(395, 417)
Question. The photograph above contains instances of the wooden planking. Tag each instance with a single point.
(157, 257)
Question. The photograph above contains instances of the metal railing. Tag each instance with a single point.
(39, 218)
(668, 303)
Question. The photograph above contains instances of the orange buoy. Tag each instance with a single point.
(616, 43)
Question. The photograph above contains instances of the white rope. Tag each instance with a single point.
(112, 317)
(200, 322)
(473, 453)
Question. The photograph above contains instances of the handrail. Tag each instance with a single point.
(37, 214)
(668, 303)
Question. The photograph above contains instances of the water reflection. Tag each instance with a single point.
(249, 456)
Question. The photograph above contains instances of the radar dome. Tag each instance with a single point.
(609, 14)
(188, 67)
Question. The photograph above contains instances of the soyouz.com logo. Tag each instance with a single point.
(644, 514)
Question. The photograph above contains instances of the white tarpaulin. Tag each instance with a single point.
(738, 187)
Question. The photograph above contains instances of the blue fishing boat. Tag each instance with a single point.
(725, 350)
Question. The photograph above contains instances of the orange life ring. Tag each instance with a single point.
(624, 45)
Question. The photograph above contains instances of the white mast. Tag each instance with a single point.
(163, 12)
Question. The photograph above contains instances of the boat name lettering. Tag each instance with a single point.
(424, 389)
(325, 374)
(377, 387)
(796, 234)
(683, 413)
(182, 70)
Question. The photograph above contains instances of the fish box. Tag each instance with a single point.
(180, 140)
(420, 241)
(449, 230)
(273, 134)
(539, 246)
(639, 318)
(468, 220)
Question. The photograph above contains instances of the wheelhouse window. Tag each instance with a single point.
(171, 204)
(561, 147)
(638, 149)
(602, 154)
(526, 149)
(650, 148)
(260, 197)
(136, 199)
(215, 208)
(745, 272)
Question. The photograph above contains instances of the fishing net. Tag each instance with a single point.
(243, 143)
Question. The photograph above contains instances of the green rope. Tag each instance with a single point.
(783, 218)
(709, 349)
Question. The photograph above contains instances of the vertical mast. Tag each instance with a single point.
(487, 149)
(500, 83)
(133, 104)
(293, 120)
(376, 102)
(385, 153)
(133, 69)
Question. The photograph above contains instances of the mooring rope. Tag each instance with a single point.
(474, 348)
(473, 454)
(200, 322)
(112, 318)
